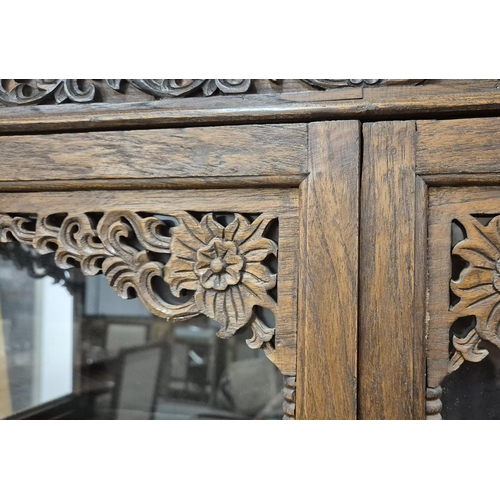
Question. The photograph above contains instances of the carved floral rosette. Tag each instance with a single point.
(478, 290)
(221, 267)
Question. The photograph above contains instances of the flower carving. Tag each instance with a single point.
(224, 267)
(478, 288)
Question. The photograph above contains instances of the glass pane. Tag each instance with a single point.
(71, 348)
(473, 391)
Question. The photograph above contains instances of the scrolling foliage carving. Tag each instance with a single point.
(38, 91)
(478, 290)
(220, 266)
(16, 92)
(335, 84)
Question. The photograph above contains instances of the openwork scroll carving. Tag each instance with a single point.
(221, 266)
(335, 84)
(19, 92)
(38, 91)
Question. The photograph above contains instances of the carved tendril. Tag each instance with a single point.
(222, 265)
(478, 288)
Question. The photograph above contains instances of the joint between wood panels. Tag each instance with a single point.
(175, 183)
(461, 179)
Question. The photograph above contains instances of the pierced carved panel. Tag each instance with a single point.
(478, 289)
(57, 91)
(212, 269)
(463, 320)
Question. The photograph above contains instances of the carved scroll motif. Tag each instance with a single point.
(19, 92)
(39, 91)
(179, 88)
(220, 266)
(335, 84)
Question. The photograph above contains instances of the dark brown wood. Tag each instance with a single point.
(267, 181)
(476, 287)
(254, 150)
(328, 316)
(391, 349)
(454, 147)
(39, 91)
(443, 98)
(222, 265)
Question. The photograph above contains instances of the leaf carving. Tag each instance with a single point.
(222, 265)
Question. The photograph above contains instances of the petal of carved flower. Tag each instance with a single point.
(232, 308)
(231, 228)
(211, 227)
(235, 261)
(188, 237)
(472, 278)
(259, 274)
(214, 280)
(247, 232)
(484, 296)
(179, 274)
(232, 273)
(258, 250)
(484, 241)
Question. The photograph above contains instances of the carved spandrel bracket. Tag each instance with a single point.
(213, 269)
(478, 290)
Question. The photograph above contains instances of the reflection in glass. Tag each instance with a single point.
(473, 391)
(71, 348)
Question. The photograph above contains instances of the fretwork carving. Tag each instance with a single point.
(57, 91)
(213, 269)
(335, 84)
(478, 288)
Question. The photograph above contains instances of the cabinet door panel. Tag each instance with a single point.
(253, 227)
(429, 254)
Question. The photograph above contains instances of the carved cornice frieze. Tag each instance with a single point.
(57, 91)
(335, 84)
(210, 268)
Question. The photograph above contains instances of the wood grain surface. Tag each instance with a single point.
(445, 98)
(445, 205)
(328, 310)
(451, 147)
(391, 333)
(273, 203)
(248, 151)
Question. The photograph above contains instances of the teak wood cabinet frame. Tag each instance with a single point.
(363, 210)
(418, 177)
(305, 176)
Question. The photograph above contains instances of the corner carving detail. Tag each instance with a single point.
(478, 290)
(210, 268)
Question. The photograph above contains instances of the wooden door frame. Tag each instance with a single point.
(401, 161)
(328, 279)
(310, 171)
(392, 279)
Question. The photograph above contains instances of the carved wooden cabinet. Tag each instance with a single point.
(360, 215)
